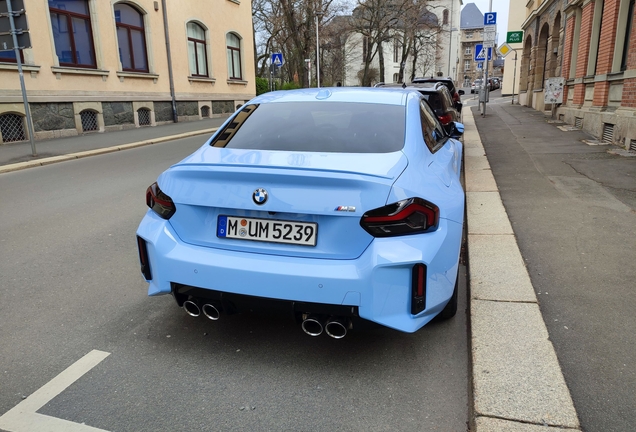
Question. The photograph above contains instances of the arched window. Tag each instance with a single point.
(89, 121)
(445, 17)
(234, 56)
(12, 128)
(131, 38)
(72, 33)
(197, 53)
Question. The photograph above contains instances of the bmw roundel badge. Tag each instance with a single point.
(260, 196)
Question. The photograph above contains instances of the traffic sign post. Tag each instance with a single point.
(15, 36)
(480, 53)
(490, 32)
(490, 18)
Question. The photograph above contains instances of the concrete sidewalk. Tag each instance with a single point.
(18, 156)
(517, 380)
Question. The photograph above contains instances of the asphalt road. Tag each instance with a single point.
(70, 283)
(573, 210)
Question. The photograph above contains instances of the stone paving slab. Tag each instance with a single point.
(486, 424)
(480, 181)
(486, 214)
(476, 163)
(497, 270)
(516, 374)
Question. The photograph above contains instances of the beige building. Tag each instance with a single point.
(471, 35)
(98, 65)
(512, 68)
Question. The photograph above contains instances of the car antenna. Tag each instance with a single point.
(403, 85)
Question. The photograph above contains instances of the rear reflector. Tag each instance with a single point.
(143, 258)
(418, 282)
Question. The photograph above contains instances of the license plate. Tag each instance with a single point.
(267, 230)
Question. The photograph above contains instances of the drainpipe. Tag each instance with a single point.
(165, 27)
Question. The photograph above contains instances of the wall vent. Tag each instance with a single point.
(144, 116)
(608, 133)
(578, 122)
(632, 145)
(89, 121)
(12, 128)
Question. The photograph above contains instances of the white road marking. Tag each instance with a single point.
(24, 417)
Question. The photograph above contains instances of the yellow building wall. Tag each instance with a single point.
(45, 81)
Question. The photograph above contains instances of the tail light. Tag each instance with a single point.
(410, 216)
(445, 118)
(456, 97)
(418, 283)
(159, 202)
(143, 258)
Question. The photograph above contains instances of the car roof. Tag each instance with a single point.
(334, 94)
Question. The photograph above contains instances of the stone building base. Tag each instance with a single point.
(596, 121)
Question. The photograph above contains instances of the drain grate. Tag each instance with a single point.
(144, 116)
(89, 121)
(578, 122)
(12, 128)
(608, 133)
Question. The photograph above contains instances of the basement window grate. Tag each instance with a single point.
(12, 128)
(608, 133)
(89, 121)
(578, 122)
(144, 116)
(632, 145)
(205, 111)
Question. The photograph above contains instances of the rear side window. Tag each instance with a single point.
(434, 135)
(435, 101)
(321, 126)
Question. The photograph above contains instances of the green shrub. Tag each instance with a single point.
(262, 85)
(290, 86)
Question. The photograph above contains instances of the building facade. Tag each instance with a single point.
(512, 65)
(471, 34)
(592, 45)
(97, 65)
(436, 43)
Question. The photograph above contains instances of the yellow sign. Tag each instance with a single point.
(504, 49)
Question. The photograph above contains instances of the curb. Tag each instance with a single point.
(517, 380)
(78, 155)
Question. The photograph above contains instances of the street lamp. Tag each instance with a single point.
(318, 15)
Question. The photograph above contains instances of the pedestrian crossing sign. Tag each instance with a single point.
(480, 53)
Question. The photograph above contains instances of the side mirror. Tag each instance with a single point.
(461, 92)
(455, 130)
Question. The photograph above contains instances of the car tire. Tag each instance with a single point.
(450, 309)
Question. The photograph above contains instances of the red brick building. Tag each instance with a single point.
(592, 44)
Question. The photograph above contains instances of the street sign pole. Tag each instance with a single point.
(514, 76)
(16, 50)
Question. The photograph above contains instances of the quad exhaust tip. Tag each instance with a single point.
(210, 311)
(191, 308)
(312, 325)
(336, 327)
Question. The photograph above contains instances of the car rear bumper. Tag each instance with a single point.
(377, 283)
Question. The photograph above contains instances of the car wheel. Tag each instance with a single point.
(450, 309)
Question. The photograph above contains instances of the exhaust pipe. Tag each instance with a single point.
(211, 311)
(192, 308)
(336, 327)
(312, 325)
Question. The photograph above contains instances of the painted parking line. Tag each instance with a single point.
(24, 417)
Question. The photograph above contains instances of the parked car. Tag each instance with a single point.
(476, 86)
(335, 205)
(437, 96)
(450, 84)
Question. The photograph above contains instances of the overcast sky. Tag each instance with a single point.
(499, 6)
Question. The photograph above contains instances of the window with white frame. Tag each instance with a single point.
(197, 52)
(467, 65)
(468, 50)
(234, 57)
(396, 50)
(469, 35)
(396, 77)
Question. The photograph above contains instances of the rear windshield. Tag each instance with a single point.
(321, 126)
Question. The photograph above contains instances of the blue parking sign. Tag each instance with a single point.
(490, 18)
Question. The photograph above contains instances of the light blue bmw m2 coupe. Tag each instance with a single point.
(338, 205)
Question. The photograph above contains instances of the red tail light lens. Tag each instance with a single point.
(410, 216)
(456, 97)
(159, 202)
(445, 119)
